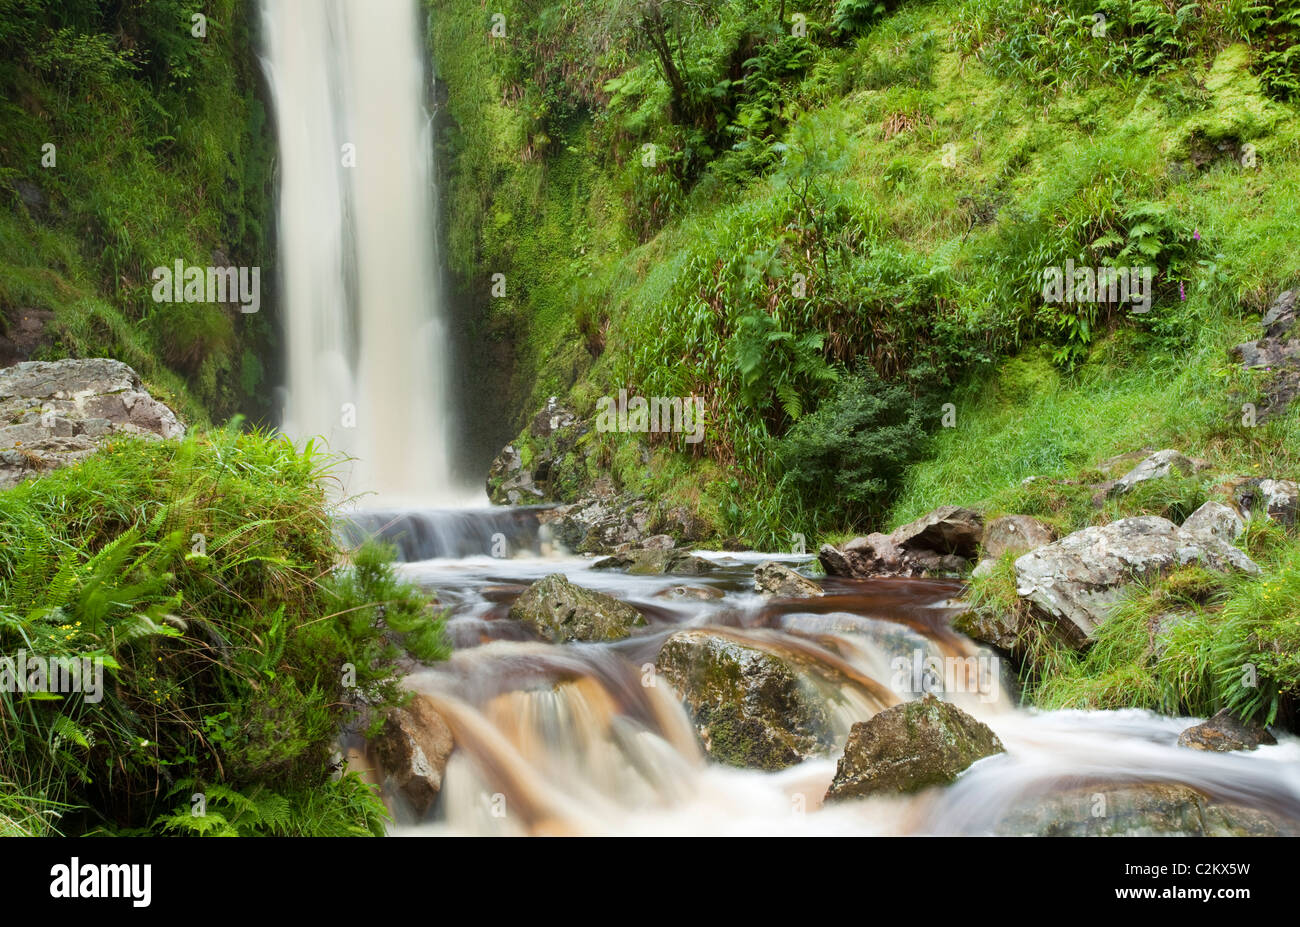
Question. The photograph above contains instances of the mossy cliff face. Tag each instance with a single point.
(131, 142)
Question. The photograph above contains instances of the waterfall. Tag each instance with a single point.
(365, 320)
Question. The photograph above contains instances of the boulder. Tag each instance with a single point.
(949, 529)
(1217, 519)
(1224, 733)
(1076, 580)
(600, 523)
(1015, 533)
(691, 593)
(942, 542)
(412, 750)
(1143, 809)
(561, 611)
(1277, 499)
(771, 578)
(749, 706)
(908, 747)
(1160, 465)
(57, 412)
(657, 562)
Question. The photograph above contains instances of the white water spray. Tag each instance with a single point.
(365, 319)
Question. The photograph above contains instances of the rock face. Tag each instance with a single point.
(942, 542)
(1224, 733)
(1158, 466)
(412, 751)
(908, 747)
(57, 412)
(657, 562)
(748, 706)
(1278, 352)
(600, 523)
(1015, 533)
(561, 611)
(1217, 519)
(530, 470)
(1137, 810)
(771, 578)
(1075, 580)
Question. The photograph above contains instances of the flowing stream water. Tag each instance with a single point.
(585, 738)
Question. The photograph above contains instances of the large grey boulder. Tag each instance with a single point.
(561, 611)
(908, 747)
(949, 529)
(750, 707)
(57, 412)
(1076, 580)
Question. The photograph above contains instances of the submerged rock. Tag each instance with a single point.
(412, 751)
(57, 412)
(1075, 581)
(691, 593)
(561, 611)
(1224, 733)
(1136, 810)
(749, 707)
(657, 562)
(771, 578)
(908, 747)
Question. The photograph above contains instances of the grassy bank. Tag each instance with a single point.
(202, 573)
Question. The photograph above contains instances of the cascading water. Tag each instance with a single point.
(365, 320)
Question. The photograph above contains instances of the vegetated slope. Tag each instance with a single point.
(830, 220)
(128, 142)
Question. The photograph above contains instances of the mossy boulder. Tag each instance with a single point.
(562, 611)
(909, 747)
(749, 706)
(772, 578)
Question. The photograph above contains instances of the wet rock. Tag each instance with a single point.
(412, 751)
(909, 747)
(657, 562)
(1015, 533)
(1135, 810)
(57, 412)
(940, 543)
(873, 555)
(561, 611)
(1224, 733)
(1277, 353)
(949, 529)
(1217, 519)
(1277, 499)
(1160, 465)
(749, 707)
(991, 626)
(771, 578)
(1075, 581)
(599, 525)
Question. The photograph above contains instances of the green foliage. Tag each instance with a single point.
(203, 577)
(846, 457)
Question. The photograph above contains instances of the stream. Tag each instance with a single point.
(585, 738)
